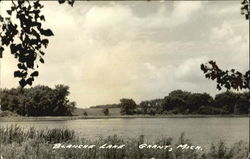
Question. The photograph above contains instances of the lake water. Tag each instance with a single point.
(201, 131)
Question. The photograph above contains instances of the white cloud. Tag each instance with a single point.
(189, 71)
(106, 51)
(222, 32)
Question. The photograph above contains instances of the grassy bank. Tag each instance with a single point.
(15, 142)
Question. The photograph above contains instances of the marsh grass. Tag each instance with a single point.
(19, 143)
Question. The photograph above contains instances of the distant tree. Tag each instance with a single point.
(196, 100)
(227, 101)
(38, 101)
(154, 106)
(144, 105)
(210, 110)
(242, 104)
(105, 111)
(85, 114)
(128, 106)
(176, 100)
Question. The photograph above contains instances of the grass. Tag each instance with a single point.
(15, 142)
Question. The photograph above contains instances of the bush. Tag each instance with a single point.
(7, 114)
(209, 110)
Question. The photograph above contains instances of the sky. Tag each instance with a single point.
(106, 51)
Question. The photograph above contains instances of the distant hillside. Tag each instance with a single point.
(96, 111)
(107, 106)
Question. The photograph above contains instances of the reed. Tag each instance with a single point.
(19, 143)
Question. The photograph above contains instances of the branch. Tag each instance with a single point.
(228, 79)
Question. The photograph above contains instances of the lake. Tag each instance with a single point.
(201, 131)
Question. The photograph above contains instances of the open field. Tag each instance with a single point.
(96, 111)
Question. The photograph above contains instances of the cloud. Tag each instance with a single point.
(190, 71)
(113, 50)
(222, 32)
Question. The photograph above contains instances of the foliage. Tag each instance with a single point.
(7, 114)
(105, 111)
(245, 8)
(22, 31)
(25, 39)
(208, 110)
(183, 102)
(85, 114)
(128, 106)
(228, 79)
(37, 101)
(196, 100)
(151, 107)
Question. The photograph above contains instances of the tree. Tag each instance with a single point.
(37, 101)
(144, 105)
(105, 111)
(85, 114)
(151, 107)
(128, 106)
(242, 104)
(22, 31)
(196, 100)
(177, 101)
(227, 101)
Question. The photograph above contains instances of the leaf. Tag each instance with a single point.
(35, 73)
(207, 75)
(47, 32)
(18, 74)
(30, 81)
(9, 12)
(41, 60)
(1, 51)
(22, 83)
(45, 42)
(41, 52)
(1, 18)
(21, 66)
(71, 2)
(37, 4)
(42, 17)
(218, 87)
(61, 1)
(13, 48)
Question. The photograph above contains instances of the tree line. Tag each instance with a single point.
(37, 101)
(184, 102)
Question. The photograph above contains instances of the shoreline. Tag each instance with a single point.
(65, 118)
